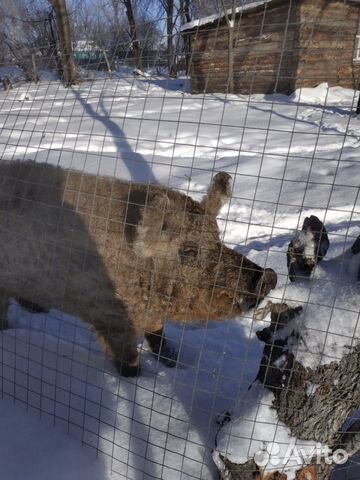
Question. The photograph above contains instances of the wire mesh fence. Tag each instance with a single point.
(179, 237)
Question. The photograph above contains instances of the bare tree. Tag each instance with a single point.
(173, 11)
(170, 22)
(69, 72)
(121, 27)
(116, 8)
(24, 35)
(135, 41)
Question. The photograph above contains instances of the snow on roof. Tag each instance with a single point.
(213, 18)
(85, 46)
(244, 8)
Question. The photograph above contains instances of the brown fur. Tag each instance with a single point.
(122, 256)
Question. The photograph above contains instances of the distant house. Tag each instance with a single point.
(278, 46)
(86, 51)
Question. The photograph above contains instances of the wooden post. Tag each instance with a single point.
(108, 64)
(231, 25)
(35, 77)
(169, 30)
(358, 106)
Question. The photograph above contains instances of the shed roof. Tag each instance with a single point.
(217, 17)
(244, 9)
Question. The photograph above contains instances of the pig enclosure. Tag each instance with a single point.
(199, 245)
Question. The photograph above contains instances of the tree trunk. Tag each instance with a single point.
(53, 45)
(116, 7)
(169, 30)
(23, 61)
(319, 417)
(133, 34)
(65, 47)
(107, 64)
(35, 77)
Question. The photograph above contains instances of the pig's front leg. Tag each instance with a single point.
(118, 336)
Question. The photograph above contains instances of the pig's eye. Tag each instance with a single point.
(188, 252)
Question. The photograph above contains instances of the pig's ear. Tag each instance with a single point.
(218, 193)
(267, 282)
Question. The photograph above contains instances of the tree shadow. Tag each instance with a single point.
(290, 100)
(180, 84)
(312, 123)
(138, 167)
(217, 364)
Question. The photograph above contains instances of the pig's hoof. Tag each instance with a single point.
(168, 356)
(127, 370)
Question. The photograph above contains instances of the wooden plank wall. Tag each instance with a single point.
(327, 43)
(209, 60)
(292, 44)
(263, 52)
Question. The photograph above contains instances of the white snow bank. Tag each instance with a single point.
(324, 95)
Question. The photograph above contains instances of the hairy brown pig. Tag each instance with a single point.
(120, 255)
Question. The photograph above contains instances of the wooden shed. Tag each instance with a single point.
(276, 46)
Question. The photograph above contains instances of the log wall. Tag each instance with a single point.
(327, 43)
(286, 45)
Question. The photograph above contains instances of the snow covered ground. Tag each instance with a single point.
(289, 157)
